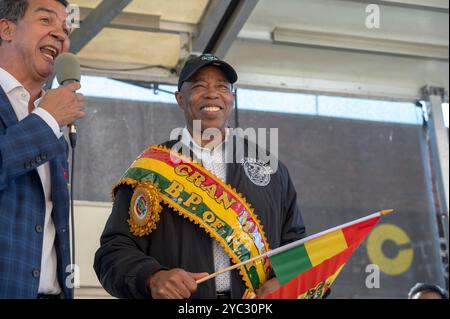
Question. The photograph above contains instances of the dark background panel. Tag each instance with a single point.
(342, 170)
(112, 135)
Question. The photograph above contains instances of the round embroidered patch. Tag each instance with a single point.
(257, 171)
(140, 210)
(144, 209)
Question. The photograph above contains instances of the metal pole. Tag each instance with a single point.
(438, 135)
(236, 109)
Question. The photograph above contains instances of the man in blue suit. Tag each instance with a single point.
(34, 199)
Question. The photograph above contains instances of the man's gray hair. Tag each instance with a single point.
(14, 10)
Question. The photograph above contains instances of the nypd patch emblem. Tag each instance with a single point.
(257, 171)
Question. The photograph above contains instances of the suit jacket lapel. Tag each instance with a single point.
(7, 114)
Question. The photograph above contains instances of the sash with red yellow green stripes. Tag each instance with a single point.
(161, 175)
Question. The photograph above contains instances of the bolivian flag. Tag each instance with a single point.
(307, 268)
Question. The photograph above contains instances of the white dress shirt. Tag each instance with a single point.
(19, 99)
(214, 161)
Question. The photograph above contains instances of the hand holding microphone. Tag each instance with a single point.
(63, 103)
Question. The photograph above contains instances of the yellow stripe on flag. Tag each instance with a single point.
(325, 247)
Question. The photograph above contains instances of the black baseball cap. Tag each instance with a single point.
(195, 64)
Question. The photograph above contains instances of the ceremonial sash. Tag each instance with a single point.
(161, 175)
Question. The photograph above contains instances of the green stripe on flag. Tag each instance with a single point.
(288, 264)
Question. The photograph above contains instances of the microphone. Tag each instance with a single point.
(68, 70)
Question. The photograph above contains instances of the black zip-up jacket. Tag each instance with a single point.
(124, 262)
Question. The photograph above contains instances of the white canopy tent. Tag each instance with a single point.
(307, 45)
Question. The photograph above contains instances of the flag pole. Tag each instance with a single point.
(386, 212)
(231, 268)
(286, 247)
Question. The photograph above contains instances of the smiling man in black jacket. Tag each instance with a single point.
(178, 218)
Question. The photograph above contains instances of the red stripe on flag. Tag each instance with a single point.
(355, 234)
(312, 277)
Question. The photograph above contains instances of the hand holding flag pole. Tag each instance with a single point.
(231, 268)
(340, 242)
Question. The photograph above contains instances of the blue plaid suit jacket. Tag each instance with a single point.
(24, 146)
